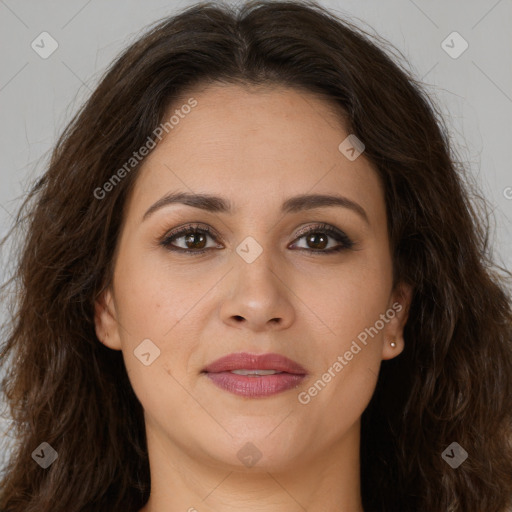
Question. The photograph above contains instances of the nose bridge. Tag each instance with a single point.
(255, 265)
(257, 233)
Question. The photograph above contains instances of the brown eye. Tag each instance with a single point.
(195, 239)
(317, 239)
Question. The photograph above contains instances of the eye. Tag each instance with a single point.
(195, 239)
(318, 236)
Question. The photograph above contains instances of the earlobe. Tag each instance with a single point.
(106, 326)
(394, 343)
(392, 348)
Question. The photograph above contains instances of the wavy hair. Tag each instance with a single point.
(453, 381)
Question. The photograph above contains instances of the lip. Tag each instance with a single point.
(245, 361)
(251, 386)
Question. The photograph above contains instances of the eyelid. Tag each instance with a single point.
(193, 227)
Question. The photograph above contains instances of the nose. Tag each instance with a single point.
(259, 297)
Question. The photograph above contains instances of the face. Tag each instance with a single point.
(311, 281)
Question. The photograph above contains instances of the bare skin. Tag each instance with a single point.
(255, 148)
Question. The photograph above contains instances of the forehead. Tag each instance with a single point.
(254, 144)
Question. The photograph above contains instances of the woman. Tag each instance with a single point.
(253, 277)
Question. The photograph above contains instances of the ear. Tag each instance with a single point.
(397, 313)
(105, 320)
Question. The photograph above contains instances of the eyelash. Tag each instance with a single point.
(340, 236)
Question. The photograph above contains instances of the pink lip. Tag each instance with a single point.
(252, 386)
(245, 361)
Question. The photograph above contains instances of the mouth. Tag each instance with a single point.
(255, 376)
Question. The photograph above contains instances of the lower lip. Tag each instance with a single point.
(254, 387)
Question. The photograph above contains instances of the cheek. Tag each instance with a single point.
(350, 306)
(162, 302)
(150, 308)
(350, 298)
(151, 296)
(349, 355)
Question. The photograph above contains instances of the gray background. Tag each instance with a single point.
(474, 91)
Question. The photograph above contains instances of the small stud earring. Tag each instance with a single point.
(393, 344)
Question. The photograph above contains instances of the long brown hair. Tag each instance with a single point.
(452, 383)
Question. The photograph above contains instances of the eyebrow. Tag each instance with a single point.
(217, 204)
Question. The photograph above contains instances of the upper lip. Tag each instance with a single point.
(245, 361)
